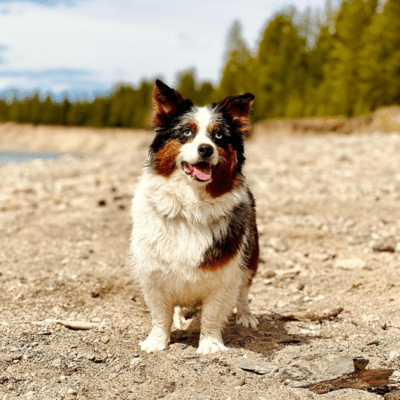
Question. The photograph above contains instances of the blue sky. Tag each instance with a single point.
(87, 46)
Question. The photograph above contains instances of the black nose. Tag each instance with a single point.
(205, 150)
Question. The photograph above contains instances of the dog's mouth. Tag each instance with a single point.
(201, 171)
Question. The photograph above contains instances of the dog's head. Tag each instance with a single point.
(203, 143)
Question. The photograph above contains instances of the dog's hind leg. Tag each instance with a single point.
(244, 315)
(179, 317)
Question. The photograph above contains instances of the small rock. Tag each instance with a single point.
(258, 367)
(11, 357)
(319, 257)
(394, 354)
(350, 263)
(240, 382)
(97, 358)
(72, 392)
(267, 274)
(387, 244)
(360, 363)
(96, 319)
(136, 361)
(277, 244)
(395, 395)
(104, 339)
(349, 223)
(318, 367)
(56, 363)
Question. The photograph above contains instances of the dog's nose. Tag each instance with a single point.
(205, 150)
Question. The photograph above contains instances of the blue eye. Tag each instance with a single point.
(218, 136)
(187, 133)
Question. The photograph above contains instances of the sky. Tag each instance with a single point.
(85, 47)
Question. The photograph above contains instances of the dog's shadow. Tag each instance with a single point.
(270, 336)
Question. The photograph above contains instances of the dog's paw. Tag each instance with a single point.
(247, 320)
(210, 345)
(154, 343)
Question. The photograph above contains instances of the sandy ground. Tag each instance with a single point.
(328, 214)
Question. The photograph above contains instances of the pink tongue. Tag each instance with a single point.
(202, 173)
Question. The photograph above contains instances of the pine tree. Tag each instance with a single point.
(281, 70)
(238, 73)
(186, 84)
(339, 92)
(379, 68)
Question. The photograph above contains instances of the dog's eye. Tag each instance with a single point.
(218, 135)
(187, 133)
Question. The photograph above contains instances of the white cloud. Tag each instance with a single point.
(127, 40)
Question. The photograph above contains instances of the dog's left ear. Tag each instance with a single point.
(167, 103)
(239, 110)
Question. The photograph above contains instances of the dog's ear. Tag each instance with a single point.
(167, 103)
(239, 110)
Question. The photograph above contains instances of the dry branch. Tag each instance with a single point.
(357, 380)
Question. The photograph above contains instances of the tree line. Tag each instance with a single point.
(344, 61)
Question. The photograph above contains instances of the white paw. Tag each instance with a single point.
(210, 345)
(154, 343)
(247, 320)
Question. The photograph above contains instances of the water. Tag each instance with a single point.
(7, 156)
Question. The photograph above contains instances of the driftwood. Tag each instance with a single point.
(308, 316)
(362, 325)
(76, 325)
(366, 379)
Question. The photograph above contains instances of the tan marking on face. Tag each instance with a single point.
(212, 128)
(193, 126)
(224, 174)
(166, 158)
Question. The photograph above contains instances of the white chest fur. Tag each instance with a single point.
(174, 224)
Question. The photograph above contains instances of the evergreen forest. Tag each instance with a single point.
(342, 61)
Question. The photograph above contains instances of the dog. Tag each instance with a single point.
(194, 235)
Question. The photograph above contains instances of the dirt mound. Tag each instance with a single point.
(383, 120)
(71, 139)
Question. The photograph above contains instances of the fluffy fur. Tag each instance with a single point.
(194, 236)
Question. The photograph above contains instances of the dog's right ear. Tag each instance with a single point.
(167, 103)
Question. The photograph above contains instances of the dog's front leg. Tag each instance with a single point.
(161, 310)
(214, 314)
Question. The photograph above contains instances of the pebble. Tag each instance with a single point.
(318, 367)
(240, 382)
(350, 263)
(11, 357)
(256, 366)
(56, 362)
(387, 244)
(394, 354)
(104, 339)
(277, 244)
(360, 363)
(97, 358)
(136, 361)
(72, 392)
(319, 257)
